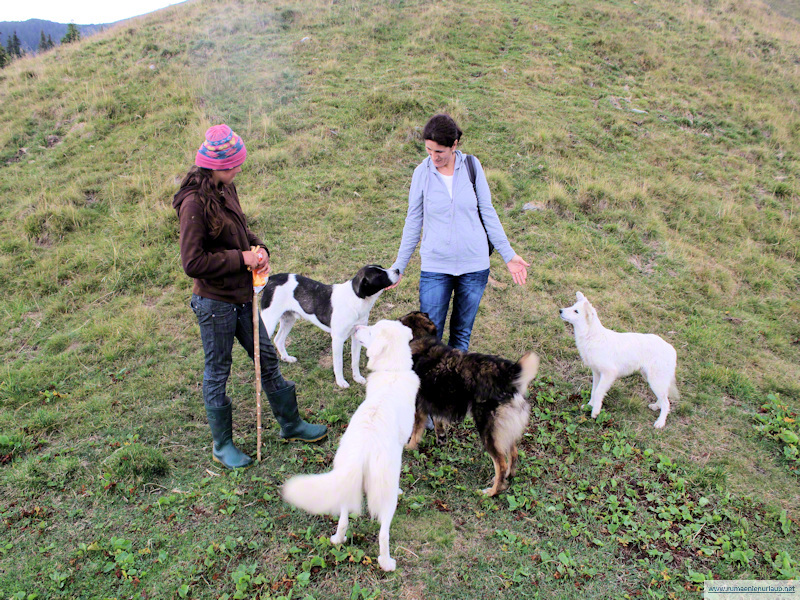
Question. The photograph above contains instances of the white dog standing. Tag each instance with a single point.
(336, 308)
(611, 355)
(370, 451)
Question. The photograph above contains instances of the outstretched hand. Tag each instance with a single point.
(518, 269)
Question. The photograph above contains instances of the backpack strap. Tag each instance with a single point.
(470, 161)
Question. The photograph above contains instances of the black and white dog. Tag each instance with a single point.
(336, 308)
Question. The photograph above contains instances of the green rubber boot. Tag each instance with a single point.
(223, 451)
(284, 406)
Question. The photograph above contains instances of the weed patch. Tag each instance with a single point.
(778, 422)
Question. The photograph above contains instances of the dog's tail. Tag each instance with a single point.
(673, 393)
(529, 367)
(326, 493)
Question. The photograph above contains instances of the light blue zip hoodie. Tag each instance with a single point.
(453, 239)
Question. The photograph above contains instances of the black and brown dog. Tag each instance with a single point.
(454, 384)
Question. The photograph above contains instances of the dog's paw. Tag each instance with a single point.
(289, 359)
(387, 563)
(654, 406)
(660, 423)
(359, 379)
(595, 412)
(342, 384)
(337, 539)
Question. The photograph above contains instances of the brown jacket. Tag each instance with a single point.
(216, 264)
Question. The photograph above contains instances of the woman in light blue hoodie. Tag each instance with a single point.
(456, 221)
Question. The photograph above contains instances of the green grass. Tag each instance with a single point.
(680, 220)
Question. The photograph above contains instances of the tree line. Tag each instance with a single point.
(14, 50)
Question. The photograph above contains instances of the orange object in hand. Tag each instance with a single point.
(259, 280)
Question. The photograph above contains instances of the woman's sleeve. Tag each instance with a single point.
(412, 230)
(196, 262)
(494, 228)
(254, 240)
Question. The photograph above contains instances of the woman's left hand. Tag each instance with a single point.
(265, 270)
(518, 269)
(263, 267)
(396, 283)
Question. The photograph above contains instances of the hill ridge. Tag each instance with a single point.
(29, 31)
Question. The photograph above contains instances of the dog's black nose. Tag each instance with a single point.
(561, 311)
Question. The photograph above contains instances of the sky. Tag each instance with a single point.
(80, 12)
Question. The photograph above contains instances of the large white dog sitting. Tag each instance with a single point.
(336, 308)
(611, 355)
(370, 451)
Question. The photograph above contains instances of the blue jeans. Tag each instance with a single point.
(221, 322)
(435, 290)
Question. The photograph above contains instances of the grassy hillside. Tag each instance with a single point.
(659, 142)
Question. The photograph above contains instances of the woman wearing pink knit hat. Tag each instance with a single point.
(216, 252)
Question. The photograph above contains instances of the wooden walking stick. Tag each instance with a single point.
(259, 281)
(257, 359)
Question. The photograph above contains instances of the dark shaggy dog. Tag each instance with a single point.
(455, 383)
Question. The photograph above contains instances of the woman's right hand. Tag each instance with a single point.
(251, 259)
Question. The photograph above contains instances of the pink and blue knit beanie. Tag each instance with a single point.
(223, 149)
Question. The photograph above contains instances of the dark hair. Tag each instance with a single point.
(442, 129)
(210, 198)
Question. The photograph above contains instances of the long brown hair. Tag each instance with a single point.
(210, 198)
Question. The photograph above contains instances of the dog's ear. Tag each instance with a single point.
(590, 312)
(370, 280)
(429, 327)
(358, 282)
(580, 296)
(378, 343)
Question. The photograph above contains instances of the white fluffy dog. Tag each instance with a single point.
(370, 451)
(611, 355)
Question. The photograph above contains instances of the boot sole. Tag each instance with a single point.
(299, 439)
(247, 466)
